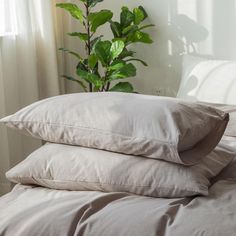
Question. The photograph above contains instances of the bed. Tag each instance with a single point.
(30, 209)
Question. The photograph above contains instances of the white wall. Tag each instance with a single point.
(203, 27)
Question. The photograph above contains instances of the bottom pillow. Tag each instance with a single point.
(228, 173)
(76, 168)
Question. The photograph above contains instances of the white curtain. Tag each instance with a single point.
(30, 33)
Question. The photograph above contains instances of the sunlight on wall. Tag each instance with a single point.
(205, 18)
(199, 15)
(187, 8)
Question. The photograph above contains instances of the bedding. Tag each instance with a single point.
(67, 167)
(231, 110)
(231, 127)
(229, 172)
(149, 126)
(37, 211)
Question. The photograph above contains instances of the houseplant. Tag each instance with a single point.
(106, 61)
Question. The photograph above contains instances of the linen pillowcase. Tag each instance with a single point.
(229, 172)
(231, 110)
(149, 126)
(76, 168)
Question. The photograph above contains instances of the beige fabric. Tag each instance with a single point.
(149, 126)
(229, 172)
(231, 110)
(28, 211)
(77, 168)
(28, 71)
(231, 127)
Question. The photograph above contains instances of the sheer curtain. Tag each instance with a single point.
(30, 32)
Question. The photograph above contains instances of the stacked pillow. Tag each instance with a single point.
(200, 74)
(146, 145)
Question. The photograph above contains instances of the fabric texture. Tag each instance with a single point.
(154, 127)
(231, 127)
(228, 173)
(67, 167)
(28, 211)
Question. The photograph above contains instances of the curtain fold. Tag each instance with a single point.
(30, 70)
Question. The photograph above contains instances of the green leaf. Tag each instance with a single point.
(118, 39)
(95, 41)
(126, 17)
(71, 52)
(103, 52)
(139, 60)
(128, 70)
(130, 29)
(92, 61)
(117, 48)
(82, 36)
(90, 77)
(116, 29)
(144, 12)
(93, 3)
(99, 18)
(139, 36)
(116, 65)
(125, 87)
(77, 81)
(126, 53)
(138, 16)
(73, 9)
(83, 65)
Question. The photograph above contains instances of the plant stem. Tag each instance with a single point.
(108, 86)
(88, 44)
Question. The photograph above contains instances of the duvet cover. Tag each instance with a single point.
(37, 211)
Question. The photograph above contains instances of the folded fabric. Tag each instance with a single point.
(231, 110)
(228, 173)
(149, 126)
(76, 168)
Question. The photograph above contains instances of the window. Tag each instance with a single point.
(7, 17)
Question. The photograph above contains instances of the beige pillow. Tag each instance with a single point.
(231, 110)
(154, 127)
(231, 127)
(75, 168)
(229, 172)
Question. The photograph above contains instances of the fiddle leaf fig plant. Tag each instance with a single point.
(107, 62)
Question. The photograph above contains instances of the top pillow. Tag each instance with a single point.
(231, 110)
(149, 126)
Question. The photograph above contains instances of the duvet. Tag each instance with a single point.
(37, 211)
